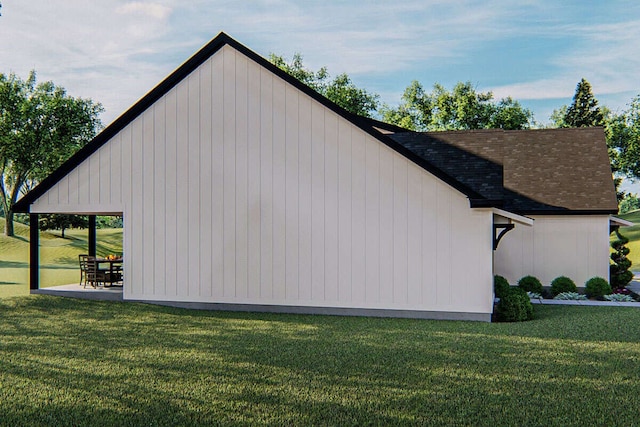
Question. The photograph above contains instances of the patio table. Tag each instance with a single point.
(114, 273)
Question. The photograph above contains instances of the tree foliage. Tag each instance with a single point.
(40, 127)
(623, 139)
(584, 110)
(62, 222)
(340, 90)
(629, 203)
(459, 109)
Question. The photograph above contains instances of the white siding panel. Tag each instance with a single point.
(158, 148)
(279, 195)
(135, 269)
(372, 222)
(317, 202)
(331, 206)
(345, 199)
(305, 173)
(205, 181)
(266, 186)
(400, 230)
(217, 176)
(241, 160)
(193, 185)
(171, 196)
(229, 167)
(182, 252)
(254, 220)
(386, 210)
(573, 246)
(358, 217)
(291, 190)
(148, 194)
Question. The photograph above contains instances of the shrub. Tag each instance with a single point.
(619, 298)
(534, 295)
(597, 287)
(515, 306)
(562, 284)
(500, 286)
(570, 296)
(619, 270)
(530, 284)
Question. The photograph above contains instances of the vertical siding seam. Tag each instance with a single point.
(338, 187)
(153, 189)
(246, 160)
(286, 225)
(187, 190)
(222, 133)
(311, 218)
(351, 228)
(407, 232)
(298, 240)
(259, 179)
(273, 113)
(199, 178)
(324, 204)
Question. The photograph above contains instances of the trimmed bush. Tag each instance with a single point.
(530, 284)
(562, 284)
(619, 270)
(515, 306)
(500, 286)
(597, 287)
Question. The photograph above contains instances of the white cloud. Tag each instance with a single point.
(152, 10)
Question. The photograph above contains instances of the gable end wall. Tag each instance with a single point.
(238, 188)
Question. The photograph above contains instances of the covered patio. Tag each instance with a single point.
(100, 293)
(109, 287)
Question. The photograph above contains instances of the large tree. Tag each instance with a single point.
(584, 110)
(340, 90)
(459, 109)
(40, 127)
(623, 139)
(62, 222)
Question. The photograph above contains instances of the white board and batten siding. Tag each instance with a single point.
(576, 246)
(238, 188)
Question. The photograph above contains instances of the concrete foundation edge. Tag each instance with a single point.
(330, 311)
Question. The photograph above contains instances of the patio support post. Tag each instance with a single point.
(34, 252)
(92, 235)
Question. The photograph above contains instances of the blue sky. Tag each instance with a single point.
(114, 51)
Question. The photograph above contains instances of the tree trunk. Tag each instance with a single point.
(8, 223)
(63, 232)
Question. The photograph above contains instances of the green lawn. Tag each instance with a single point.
(58, 257)
(76, 362)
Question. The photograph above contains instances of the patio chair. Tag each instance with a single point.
(82, 260)
(94, 276)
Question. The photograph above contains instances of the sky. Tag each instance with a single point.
(536, 51)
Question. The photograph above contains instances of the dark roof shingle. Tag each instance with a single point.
(528, 171)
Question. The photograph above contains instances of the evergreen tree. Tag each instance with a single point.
(584, 111)
(619, 270)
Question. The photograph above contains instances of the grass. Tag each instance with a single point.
(58, 257)
(76, 362)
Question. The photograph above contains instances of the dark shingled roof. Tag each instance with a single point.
(550, 171)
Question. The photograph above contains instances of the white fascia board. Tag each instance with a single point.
(514, 217)
(614, 220)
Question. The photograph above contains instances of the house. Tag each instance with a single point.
(243, 189)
